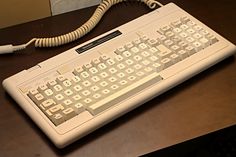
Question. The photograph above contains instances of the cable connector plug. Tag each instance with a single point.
(5, 49)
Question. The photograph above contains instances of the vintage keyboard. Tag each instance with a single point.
(74, 93)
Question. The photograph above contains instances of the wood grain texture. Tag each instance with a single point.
(200, 105)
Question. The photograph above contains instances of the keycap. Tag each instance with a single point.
(120, 49)
(166, 62)
(57, 119)
(78, 108)
(69, 113)
(104, 57)
(53, 110)
(48, 103)
(102, 105)
(165, 28)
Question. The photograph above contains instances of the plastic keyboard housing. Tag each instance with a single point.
(78, 91)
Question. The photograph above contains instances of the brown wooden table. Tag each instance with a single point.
(201, 105)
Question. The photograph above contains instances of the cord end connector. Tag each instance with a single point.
(6, 49)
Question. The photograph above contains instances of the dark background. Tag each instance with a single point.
(201, 105)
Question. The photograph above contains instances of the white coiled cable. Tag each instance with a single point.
(82, 30)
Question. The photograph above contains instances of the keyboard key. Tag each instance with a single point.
(176, 39)
(69, 113)
(153, 50)
(191, 23)
(84, 75)
(136, 41)
(197, 45)
(68, 92)
(119, 58)
(67, 102)
(103, 84)
(57, 88)
(129, 62)
(86, 93)
(77, 88)
(121, 66)
(66, 83)
(177, 30)
(183, 35)
(93, 70)
(111, 62)
(190, 39)
(53, 110)
(175, 48)
(102, 66)
(169, 43)
(95, 79)
(152, 42)
(205, 42)
(144, 38)
(60, 78)
(184, 19)
(126, 54)
(166, 62)
(153, 59)
(104, 57)
(137, 58)
(142, 46)
(59, 97)
(162, 38)
(48, 103)
(164, 51)
(138, 67)
(183, 44)
(119, 50)
(169, 34)
(198, 28)
(124, 93)
(190, 49)
(184, 27)
(51, 83)
(175, 58)
(197, 36)
(212, 38)
(42, 87)
(32, 92)
(76, 98)
(165, 28)
(158, 67)
(94, 88)
(191, 31)
(48, 92)
(95, 61)
(57, 119)
(129, 45)
(38, 98)
(87, 66)
(78, 70)
(78, 108)
(183, 54)
(176, 23)
(104, 75)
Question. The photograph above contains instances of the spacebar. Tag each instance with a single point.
(124, 93)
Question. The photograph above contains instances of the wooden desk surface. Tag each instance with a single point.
(202, 104)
